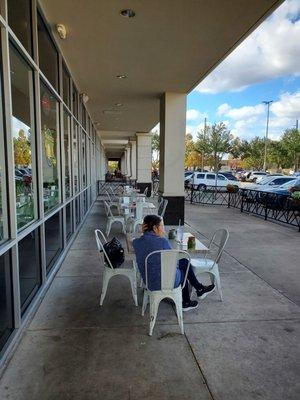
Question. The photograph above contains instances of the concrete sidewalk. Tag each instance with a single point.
(246, 347)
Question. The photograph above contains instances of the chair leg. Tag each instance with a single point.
(153, 313)
(218, 284)
(108, 228)
(217, 281)
(133, 289)
(145, 302)
(106, 279)
(179, 316)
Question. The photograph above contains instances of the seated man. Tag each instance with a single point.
(153, 239)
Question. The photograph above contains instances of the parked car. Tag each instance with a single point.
(264, 178)
(286, 188)
(18, 175)
(187, 176)
(228, 175)
(253, 175)
(273, 182)
(201, 180)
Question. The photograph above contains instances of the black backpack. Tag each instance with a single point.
(115, 252)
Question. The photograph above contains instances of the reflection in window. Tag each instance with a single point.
(19, 19)
(67, 154)
(83, 159)
(69, 221)
(77, 211)
(75, 158)
(66, 86)
(6, 308)
(49, 116)
(29, 268)
(23, 136)
(75, 101)
(53, 240)
(83, 116)
(48, 56)
(3, 221)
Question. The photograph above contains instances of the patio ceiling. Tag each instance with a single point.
(169, 46)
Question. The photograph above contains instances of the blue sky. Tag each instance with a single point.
(266, 66)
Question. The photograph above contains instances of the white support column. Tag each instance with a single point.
(172, 150)
(144, 161)
(128, 162)
(133, 159)
(123, 164)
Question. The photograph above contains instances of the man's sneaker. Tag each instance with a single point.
(191, 305)
(203, 292)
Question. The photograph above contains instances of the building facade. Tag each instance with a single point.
(49, 150)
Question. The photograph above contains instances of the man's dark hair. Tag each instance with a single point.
(150, 221)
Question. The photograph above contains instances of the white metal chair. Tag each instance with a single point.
(162, 207)
(112, 219)
(210, 266)
(146, 191)
(168, 265)
(110, 271)
(111, 202)
(139, 216)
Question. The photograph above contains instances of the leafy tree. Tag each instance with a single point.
(236, 149)
(155, 145)
(253, 153)
(291, 143)
(22, 151)
(214, 141)
(277, 154)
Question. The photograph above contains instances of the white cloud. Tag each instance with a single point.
(271, 51)
(288, 106)
(249, 121)
(192, 114)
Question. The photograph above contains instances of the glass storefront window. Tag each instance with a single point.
(48, 55)
(75, 158)
(75, 102)
(19, 19)
(3, 219)
(67, 154)
(53, 240)
(49, 121)
(66, 86)
(29, 268)
(83, 116)
(77, 211)
(6, 306)
(69, 221)
(83, 159)
(23, 137)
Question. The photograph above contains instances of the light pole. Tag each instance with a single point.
(267, 103)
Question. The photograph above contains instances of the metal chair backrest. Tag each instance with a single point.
(162, 207)
(108, 195)
(111, 190)
(146, 191)
(139, 211)
(107, 209)
(219, 238)
(101, 240)
(168, 260)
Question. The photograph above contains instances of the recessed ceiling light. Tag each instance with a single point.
(127, 13)
(121, 76)
(112, 112)
(118, 104)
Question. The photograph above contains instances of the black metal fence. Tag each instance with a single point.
(270, 206)
(116, 186)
